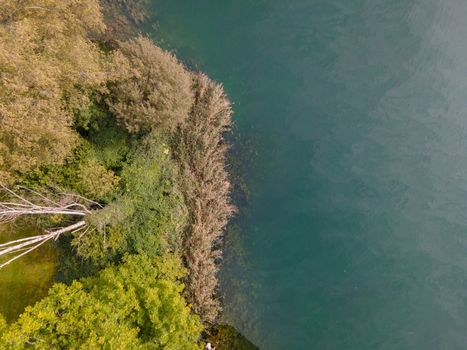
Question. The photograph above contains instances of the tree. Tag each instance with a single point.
(154, 91)
(3, 324)
(137, 305)
(125, 17)
(49, 63)
(226, 337)
(15, 205)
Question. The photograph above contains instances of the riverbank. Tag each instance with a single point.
(141, 162)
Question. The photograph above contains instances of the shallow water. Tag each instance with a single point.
(355, 236)
(26, 280)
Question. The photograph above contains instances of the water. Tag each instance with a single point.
(26, 280)
(355, 236)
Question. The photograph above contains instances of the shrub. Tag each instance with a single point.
(201, 151)
(155, 90)
(149, 208)
(81, 173)
(94, 180)
(158, 207)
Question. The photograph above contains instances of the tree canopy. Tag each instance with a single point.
(154, 92)
(137, 305)
(48, 61)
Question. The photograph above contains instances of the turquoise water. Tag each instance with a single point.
(355, 233)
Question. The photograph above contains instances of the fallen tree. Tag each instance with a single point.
(14, 204)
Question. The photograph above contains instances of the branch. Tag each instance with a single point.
(10, 210)
(24, 253)
(16, 205)
(31, 243)
(83, 198)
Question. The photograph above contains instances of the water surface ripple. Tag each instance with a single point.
(356, 233)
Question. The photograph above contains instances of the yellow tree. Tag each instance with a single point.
(48, 65)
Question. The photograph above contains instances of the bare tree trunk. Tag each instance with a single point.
(31, 243)
(10, 210)
(18, 205)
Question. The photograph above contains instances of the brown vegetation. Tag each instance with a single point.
(154, 92)
(123, 17)
(47, 63)
(201, 151)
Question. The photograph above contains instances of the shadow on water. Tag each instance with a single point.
(26, 280)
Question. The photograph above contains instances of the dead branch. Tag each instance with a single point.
(32, 243)
(10, 210)
(16, 205)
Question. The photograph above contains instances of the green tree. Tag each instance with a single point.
(137, 305)
(226, 337)
(95, 180)
(3, 324)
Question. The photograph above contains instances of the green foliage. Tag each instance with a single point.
(146, 214)
(101, 246)
(153, 92)
(94, 180)
(89, 116)
(92, 167)
(81, 173)
(226, 337)
(81, 115)
(151, 195)
(111, 144)
(137, 305)
(70, 266)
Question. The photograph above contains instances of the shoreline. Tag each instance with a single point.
(143, 164)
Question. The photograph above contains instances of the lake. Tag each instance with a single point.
(355, 232)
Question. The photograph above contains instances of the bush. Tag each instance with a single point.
(149, 208)
(154, 91)
(159, 211)
(111, 144)
(94, 180)
(201, 151)
(81, 173)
